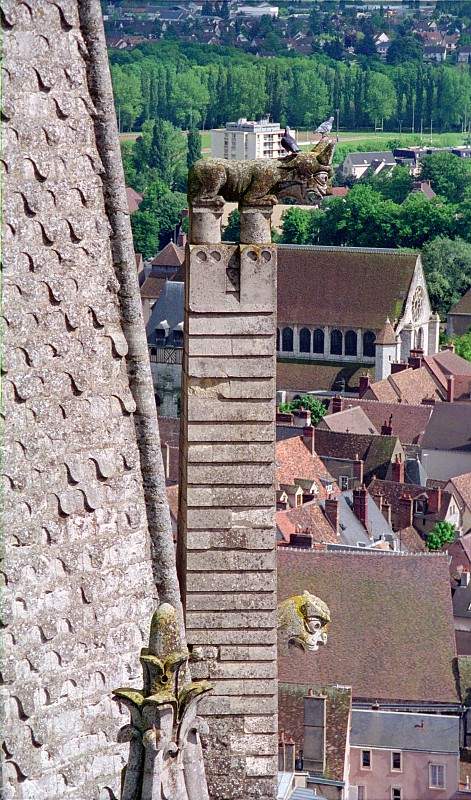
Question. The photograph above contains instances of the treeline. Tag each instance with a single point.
(195, 85)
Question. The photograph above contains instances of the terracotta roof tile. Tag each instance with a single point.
(134, 199)
(408, 421)
(410, 541)
(169, 256)
(152, 287)
(389, 613)
(463, 306)
(462, 484)
(386, 335)
(348, 285)
(350, 420)
(338, 709)
(449, 427)
(293, 460)
(308, 518)
(376, 451)
(408, 386)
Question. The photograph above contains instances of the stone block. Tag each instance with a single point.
(230, 474)
(231, 324)
(227, 367)
(247, 620)
(258, 278)
(267, 653)
(227, 496)
(204, 518)
(236, 539)
(246, 389)
(230, 454)
(239, 670)
(230, 581)
(217, 346)
(245, 601)
(216, 561)
(262, 765)
(221, 706)
(261, 724)
(209, 431)
(247, 688)
(233, 637)
(255, 744)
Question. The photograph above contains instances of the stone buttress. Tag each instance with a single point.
(79, 588)
(227, 536)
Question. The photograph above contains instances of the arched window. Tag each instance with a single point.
(304, 340)
(287, 340)
(318, 341)
(277, 339)
(419, 339)
(369, 339)
(350, 343)
(336, 343)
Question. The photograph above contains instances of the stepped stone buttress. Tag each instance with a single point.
(226, 532)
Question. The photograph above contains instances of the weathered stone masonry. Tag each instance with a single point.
(227, 538)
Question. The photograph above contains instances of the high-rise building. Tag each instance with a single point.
(247, 139)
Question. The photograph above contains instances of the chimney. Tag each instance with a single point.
(398, 470)
(428, 401)
(378, 498)
(398, 366)
(302, 540)
(365, 382)
(405, 511)
(415, 358)
(464, 578)
(358, 466)
(309, 438)
(360, 504)
(337, 404)
(434, 500)
(301, 418)
(181, 239)
(386, 511)
(167, 460)
(332, 513)
(450, 388)
(314, 734)
(386, 427)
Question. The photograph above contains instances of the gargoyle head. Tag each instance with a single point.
(305, 619)
(312, 168)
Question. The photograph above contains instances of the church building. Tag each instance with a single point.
(342, 310)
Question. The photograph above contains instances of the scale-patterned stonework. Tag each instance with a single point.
(79, 588)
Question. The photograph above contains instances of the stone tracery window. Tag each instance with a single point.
(318, 341)
(304, 340)
(287, 340)
(417, 303)
(336, 342)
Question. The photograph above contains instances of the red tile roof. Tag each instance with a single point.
(169, 256)
(410, 541)
(308, 518)
(293, 460)
(152, 287)
(389, 612)
(376, 451)
(409, 386)
(462, 485)
(342, 285)
(463, 306)
(134, 199)
(349, 420)
(408, 421)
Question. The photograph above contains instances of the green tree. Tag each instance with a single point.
(296, 226)
(380, 97)
(158, 214)
(442, 533)
(194, 147)
(421, 219)
(231, 232)
(367, 46)
(308, 403)
(395, 186)
(189, 98)
(404, 48)
(447, 267)
(449, 175)
(463, 345)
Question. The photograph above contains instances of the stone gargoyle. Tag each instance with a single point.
(260, 182)
(304, 619)
(165, 756)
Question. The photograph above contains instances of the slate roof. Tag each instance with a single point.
(359, 159)
(409, 386)
(306, 377)
(449, 427)
(342, 285)
(408, 421)
(463, 306)
(389, 613)
(352, 531)
(169, 306)
(350, 420)
(462, 602)
(293, 460)
(395, 730)
(376, 451)
(338, 708)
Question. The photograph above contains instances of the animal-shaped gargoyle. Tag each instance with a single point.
(260, 182)
(304, 620)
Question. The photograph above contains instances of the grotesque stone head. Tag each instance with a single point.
(304, 619)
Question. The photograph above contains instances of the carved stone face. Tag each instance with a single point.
(319, 183)
(305, 619)
(315, 628)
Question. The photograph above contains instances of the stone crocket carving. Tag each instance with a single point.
(165, 758)
(304, 619)
(260, 182)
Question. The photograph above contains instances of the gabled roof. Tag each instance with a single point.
(408, 386)
(308, 518)
(359, 159)
(352, 531)
(408, 422)
(350, 420)
(392, 491)
(342, 285)
(152, 287)
(376, 451)
(134, 199)
(389, 612)
(292, 376)
(462, 485)
(449, 428)
(463, 306)
(393, 730)
(294, 460)
(169, 306)
(170, 256)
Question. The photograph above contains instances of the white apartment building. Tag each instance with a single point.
(246, 139)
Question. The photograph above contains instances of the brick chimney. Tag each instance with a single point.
(303, 540)
(406, 511)
(378, 498)
(386, 511)
(337, 404)
(450, 388)
(181, 239)
(428, 401)
(386, 427)
(301, 418)
(358, 466)
(365, 383)
(434, 497)
(332, 513)
(398, 366)
(360, 504)
(398, 470)
(309, 438)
